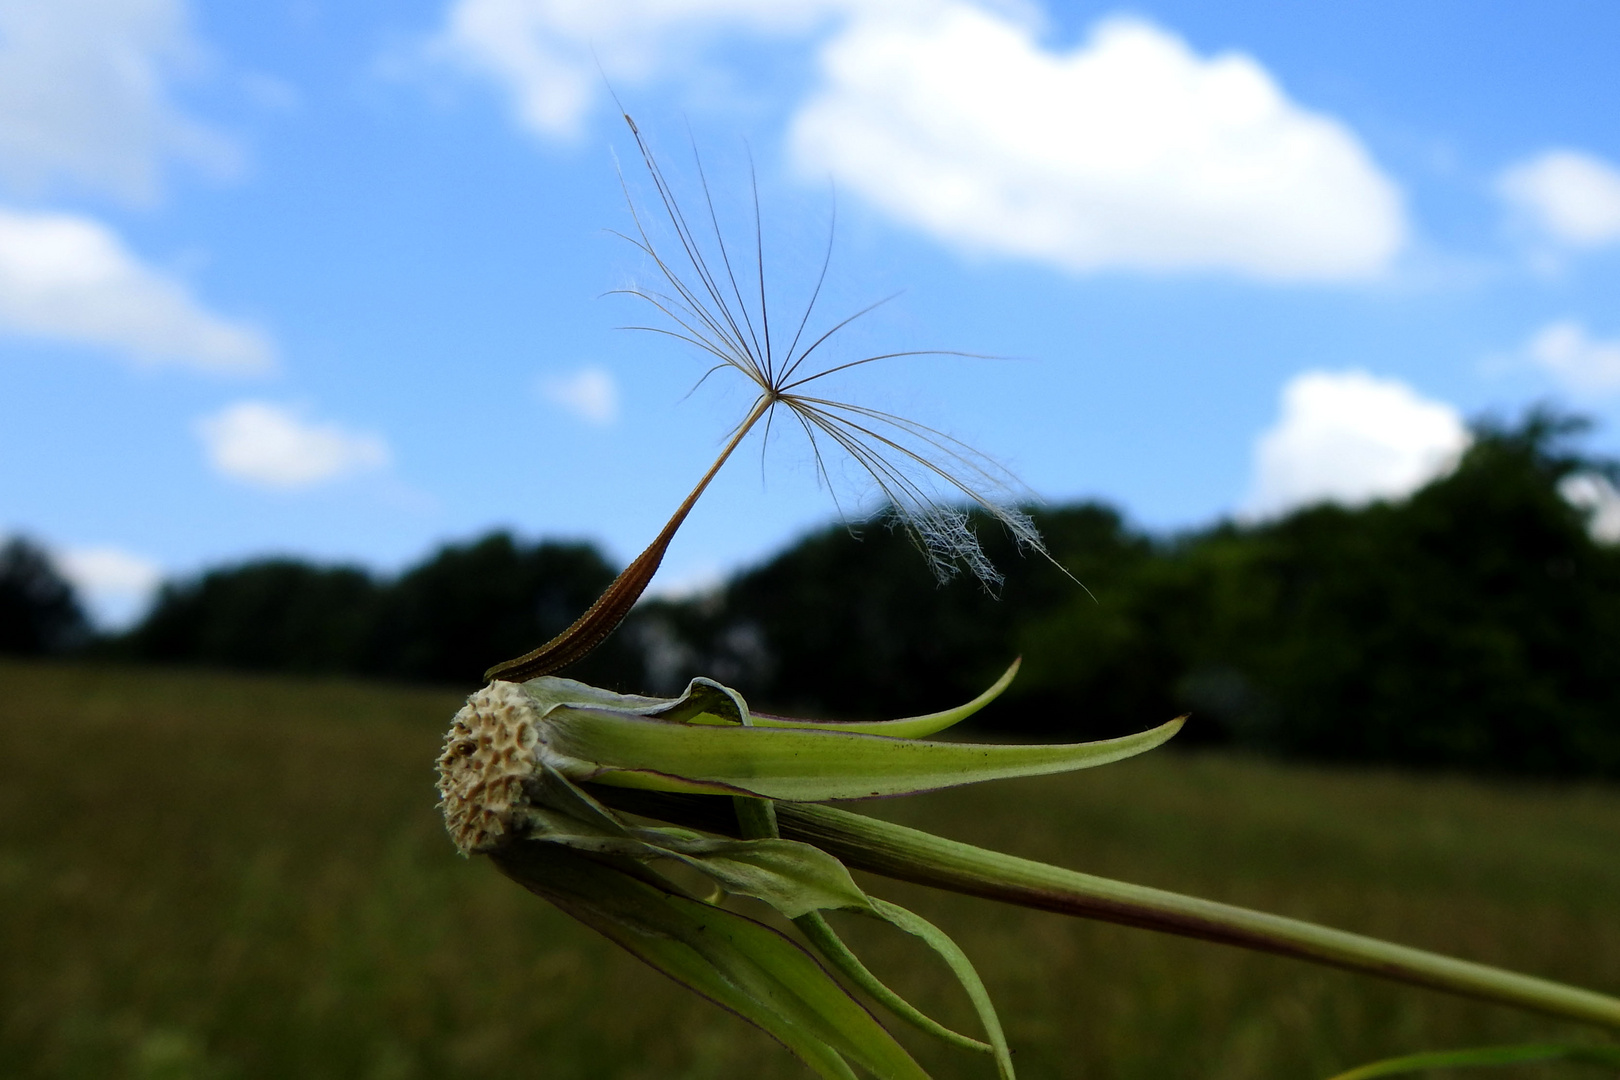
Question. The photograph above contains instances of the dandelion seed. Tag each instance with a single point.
(924, 476)
(921, 472)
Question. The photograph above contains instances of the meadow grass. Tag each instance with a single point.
(211, 875)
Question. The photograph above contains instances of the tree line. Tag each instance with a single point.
(1472, 625)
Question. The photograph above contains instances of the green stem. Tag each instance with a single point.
(912, 855)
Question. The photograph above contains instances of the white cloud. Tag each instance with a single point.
(268, 446)
(1572, 197)
(590, 394)
(1350, 438)
(1597, 496)
(1578, 360)
(85, 100)
(116, 584)
(545, 53)
(70, 278)
(1128, 151)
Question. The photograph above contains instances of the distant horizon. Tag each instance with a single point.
(1590, 496)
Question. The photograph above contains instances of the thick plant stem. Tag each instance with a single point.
(912, 855)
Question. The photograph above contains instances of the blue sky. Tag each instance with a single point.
(327, 279)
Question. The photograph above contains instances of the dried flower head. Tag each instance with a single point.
(511, 787)
(488, 754)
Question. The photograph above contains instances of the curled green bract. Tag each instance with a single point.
(510, 783)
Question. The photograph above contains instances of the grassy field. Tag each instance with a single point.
(205, 875)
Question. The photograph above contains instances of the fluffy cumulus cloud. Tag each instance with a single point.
(1130, 150)
(269, 446)
(1579, 361)
(69, 278)
(117, 584)
(85, 96)
(1351, 438)
(1569, 196)
(590, 394)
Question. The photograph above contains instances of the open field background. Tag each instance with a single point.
(206, 875)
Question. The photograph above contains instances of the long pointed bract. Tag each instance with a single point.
(802, 764)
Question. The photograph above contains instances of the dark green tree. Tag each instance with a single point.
(445, 620)
(469, 606)
(1473, 625)
(273, 614)
(39, 613)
